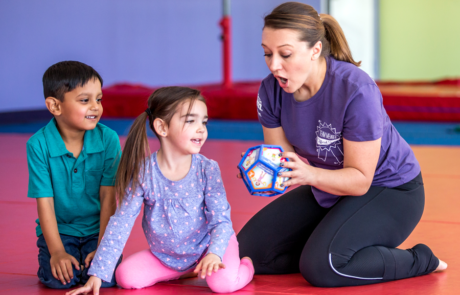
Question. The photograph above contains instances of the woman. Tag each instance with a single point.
(362, 194)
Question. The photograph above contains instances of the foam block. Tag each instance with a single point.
(259, 168)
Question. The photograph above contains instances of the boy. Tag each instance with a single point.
(72, 165)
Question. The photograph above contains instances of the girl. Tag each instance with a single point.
(186, 214)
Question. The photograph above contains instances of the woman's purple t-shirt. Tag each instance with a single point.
(348, 105)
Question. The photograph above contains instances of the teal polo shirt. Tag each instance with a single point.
(73, 182)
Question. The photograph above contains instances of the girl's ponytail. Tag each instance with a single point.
(312, 28)
(338, 44)
(133, 156)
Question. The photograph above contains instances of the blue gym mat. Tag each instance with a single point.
(413, 132)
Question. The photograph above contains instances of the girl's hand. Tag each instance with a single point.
(302, 173)
(93, 284)
(211, 262)
(89, 257)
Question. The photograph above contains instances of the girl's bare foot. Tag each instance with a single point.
(442, 266)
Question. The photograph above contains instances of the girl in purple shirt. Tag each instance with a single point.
(362, 193)
(186, 214)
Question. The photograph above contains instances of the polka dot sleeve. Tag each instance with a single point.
(217, 210)
(117, 233)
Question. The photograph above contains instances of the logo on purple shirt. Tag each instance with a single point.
(259, 105)
(328, 141)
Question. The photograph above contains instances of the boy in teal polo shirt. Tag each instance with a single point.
(72, 166)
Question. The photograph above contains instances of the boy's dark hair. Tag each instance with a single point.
(65, 76)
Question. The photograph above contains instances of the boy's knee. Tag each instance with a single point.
(45, 274)
(47, 279)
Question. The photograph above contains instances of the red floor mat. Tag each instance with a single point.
(439, 228)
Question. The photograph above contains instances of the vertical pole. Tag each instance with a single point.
(225, 24)
(376, 39)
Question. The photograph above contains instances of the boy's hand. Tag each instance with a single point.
(61, 266)
(211, 262)
(89, 257)
(93, 284)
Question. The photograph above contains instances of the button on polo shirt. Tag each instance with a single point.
(74, 183)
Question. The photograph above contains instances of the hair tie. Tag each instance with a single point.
(149, 112)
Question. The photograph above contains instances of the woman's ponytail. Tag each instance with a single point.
(338, 45)
(313, 28)
(133, 156)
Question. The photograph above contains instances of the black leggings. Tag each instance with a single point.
(352, 243)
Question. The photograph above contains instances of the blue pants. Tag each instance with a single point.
(78, 248)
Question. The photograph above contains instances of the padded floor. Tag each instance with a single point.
(439, 228)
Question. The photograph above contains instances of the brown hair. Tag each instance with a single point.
(163, 104)
(312, 28)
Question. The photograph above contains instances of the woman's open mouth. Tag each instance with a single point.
(283, 82)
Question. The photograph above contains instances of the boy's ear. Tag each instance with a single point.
(54, 105)
(161, 128)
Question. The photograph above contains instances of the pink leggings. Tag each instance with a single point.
(143, 269)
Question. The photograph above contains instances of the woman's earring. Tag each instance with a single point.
(164, 133)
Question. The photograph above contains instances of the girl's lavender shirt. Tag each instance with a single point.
(183, 220)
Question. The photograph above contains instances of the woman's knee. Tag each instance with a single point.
(315, 269)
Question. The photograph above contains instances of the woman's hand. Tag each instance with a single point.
(239, 173)
(301, 174)
(93, 284)
(211, 262)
